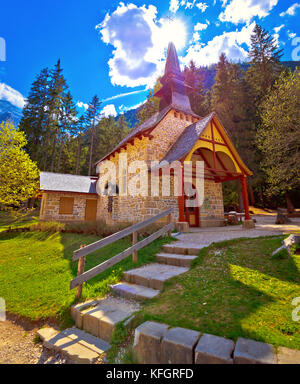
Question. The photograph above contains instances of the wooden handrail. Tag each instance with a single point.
(118, 235)
(119, 257)
(82, 252)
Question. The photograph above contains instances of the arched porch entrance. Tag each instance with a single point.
(219, 166)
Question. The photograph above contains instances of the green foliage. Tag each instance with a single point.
(278, 137)
(281, 255)
(18, 173)
(151, 105)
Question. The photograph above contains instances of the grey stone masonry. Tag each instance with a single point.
(147, 342)
(178, 346)
(288, 356)
(214, 350)
(253, 352)
(133, 291)
(175, 259)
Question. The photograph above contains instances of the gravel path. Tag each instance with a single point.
(264, 227)
(17, 346)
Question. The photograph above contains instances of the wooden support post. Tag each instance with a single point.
(80, 271)
(169, 220)
(245, 197)
(134, 241)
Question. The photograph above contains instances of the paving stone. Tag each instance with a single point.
(78, 346)
(214, 350)
(175, 259)
(147, 342)
(288, 356)
(47, 333)
(89, 341)
(253, 352)
(178, 346)
(135, 291)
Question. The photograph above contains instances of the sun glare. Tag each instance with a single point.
(174, 30)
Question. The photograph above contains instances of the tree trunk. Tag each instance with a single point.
(91, 147)
(78, 156)
(53, 153)
(251, 195)
(241, 204)
(59, 156)
(289, 204)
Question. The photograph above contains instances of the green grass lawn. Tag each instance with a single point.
(234, 289)
(36, 269)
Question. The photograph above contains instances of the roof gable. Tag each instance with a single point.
(58, 182)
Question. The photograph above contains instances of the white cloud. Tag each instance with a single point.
(81, 104)
(291, 35)
(140, 41)
(231, 43)
(109, 110)
(12, 95)
(124, 94)
(291, 10)
(242, 11)
(174, 6)
(278, 29)
(123, 108)
(196, 36)
(202, 6)
(200, 27)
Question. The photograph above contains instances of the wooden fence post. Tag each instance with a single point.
(80, 271)
(169, 221)
(134, 241)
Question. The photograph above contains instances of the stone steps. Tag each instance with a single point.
(134, 291)
(175, 259)
(153, 275)
(100, 318)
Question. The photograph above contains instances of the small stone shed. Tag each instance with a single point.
(68, 197)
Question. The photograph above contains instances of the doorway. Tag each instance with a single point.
(91, 210)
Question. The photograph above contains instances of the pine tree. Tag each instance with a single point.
(194, 77)
(91, 115)
(57, 93)
(68, 124)
(265, 65)
(278, 136)
(35, 117)
(151, 106)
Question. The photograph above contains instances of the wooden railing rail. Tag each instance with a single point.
(133, 229)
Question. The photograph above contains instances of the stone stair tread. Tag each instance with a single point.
(78, 346)
(134, 290)
(177, 256)
(184, 248)
(153, 275)
(175, 259)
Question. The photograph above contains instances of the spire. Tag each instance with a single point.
(174, 90)
(172, 66)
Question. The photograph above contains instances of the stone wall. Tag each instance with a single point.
(50, 206)
(138, 208)
(212, 211)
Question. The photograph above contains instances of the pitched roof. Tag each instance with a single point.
(187, 139)
(59, 182)
(172, 66)
(148, 124)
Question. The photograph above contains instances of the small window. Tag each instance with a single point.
(187, 118)
(181, 116)
(66, 205)
(175, 114)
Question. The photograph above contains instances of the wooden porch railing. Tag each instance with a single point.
(80, 254)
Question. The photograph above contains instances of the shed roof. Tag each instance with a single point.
(60, 182)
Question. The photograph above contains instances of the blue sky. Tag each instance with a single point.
(110, 48)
